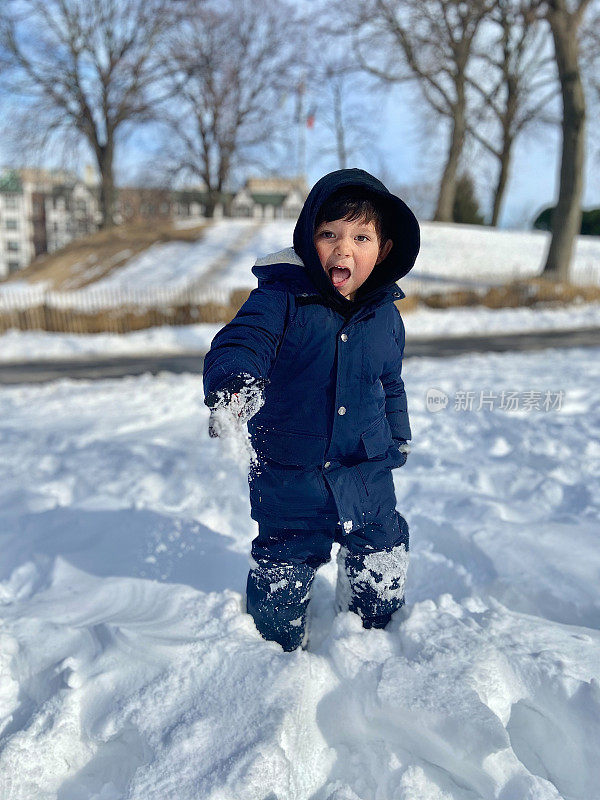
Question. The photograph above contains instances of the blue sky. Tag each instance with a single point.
(414, 157)
(407, 154)
(534, 177)
(400, 150)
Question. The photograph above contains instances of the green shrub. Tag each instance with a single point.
(466, 204)
(590, 221)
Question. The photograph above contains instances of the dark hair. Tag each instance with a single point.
(352, 203)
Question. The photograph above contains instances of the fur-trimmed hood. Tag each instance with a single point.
(403, 229)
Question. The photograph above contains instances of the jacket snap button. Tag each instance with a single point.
(344, 337)
(327, 464)
(341, 410)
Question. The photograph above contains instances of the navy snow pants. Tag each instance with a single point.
(372, 565)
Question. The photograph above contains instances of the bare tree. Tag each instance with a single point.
(565, 20)
(348, 107)
(85, 69)
(430, 41)
(335, 116)
(515, 83)
(590, 67)
(590, 51)
(239, 61)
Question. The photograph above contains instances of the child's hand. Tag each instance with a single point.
(403, 449)
(225, 415)
(233, 406)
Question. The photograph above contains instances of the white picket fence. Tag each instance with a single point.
(115, 310)
(31, 307)
(92, 299)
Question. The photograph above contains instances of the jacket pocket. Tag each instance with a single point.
(375, 488)
(287, 490)
(291, 448)
(377, 438)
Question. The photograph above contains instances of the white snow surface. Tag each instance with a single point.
(176, 263)
(461, 253)
(475, 251)
(451, 255)
(223, 258)
(128, 668)
(16, 345)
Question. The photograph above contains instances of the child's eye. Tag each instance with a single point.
(327, 234)
(362, 237)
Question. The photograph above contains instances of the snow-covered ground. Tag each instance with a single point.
(461, 253)
(129, 670)
(18, 345)
(467, 255)
(473, 251)
(176, 263)
(451, 255)
(269, 238)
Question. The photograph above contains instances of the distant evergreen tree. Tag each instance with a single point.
(590, 221)
(466, 204)
(543, 221)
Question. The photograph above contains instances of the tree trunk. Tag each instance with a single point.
(104, 156)
(339, 127)
(212, 196)
(566, 219)
(447, 192)
(502, 179)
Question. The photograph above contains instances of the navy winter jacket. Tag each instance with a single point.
(335, 406)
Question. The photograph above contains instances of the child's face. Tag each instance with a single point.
(349, 250)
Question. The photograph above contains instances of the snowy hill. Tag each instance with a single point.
(222, 258)
(462, 253)
(129, 670)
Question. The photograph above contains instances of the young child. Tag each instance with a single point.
(312, 361)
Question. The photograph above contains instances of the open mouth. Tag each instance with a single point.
(339, 276)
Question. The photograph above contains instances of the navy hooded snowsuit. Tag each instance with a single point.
(334, 414)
